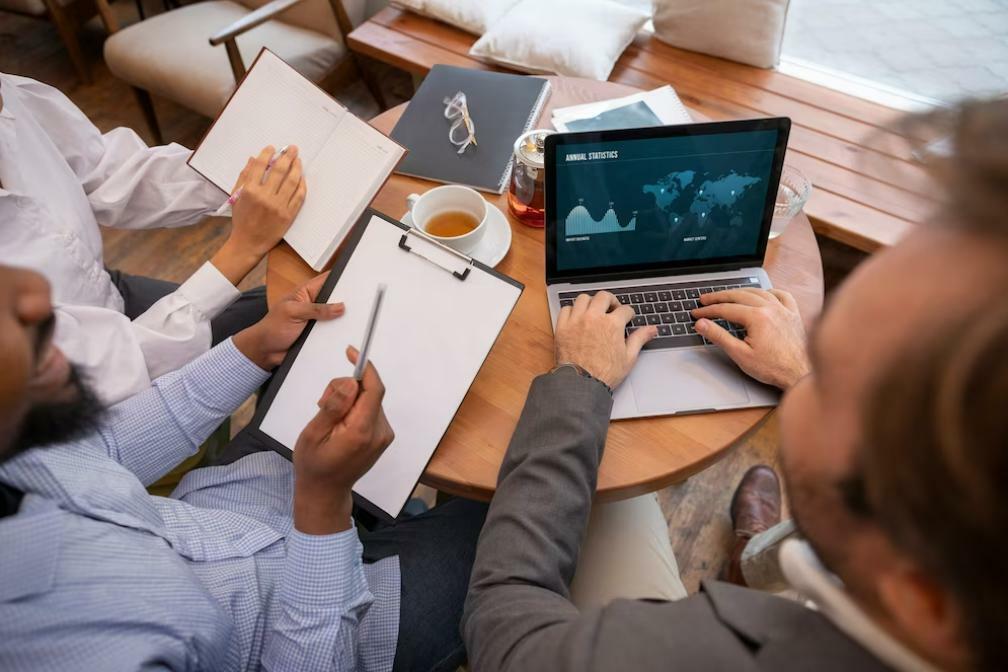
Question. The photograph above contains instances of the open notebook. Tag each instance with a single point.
(345, 160)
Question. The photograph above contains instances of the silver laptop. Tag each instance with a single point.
(660, 216)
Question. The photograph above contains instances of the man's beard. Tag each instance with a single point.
(51, 423)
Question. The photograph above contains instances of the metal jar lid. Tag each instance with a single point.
(529, 148)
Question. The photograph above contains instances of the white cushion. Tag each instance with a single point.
(747, 31)
(474, 16)
(169, 54)
(578, 38)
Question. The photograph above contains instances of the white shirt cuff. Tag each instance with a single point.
(209, 291)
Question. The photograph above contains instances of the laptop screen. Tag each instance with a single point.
(698, 195)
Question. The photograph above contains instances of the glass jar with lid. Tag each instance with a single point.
(527, 192)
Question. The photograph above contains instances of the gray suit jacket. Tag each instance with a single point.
(518, 615)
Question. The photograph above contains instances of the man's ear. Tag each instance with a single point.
(925, 613)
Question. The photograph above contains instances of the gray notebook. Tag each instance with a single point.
(502, 107)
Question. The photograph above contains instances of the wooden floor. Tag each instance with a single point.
(697, 510)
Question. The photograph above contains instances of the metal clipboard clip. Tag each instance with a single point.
(422, 236)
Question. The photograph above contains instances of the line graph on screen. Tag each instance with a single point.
(580, 222)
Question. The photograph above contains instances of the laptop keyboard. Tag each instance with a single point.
(668, 307)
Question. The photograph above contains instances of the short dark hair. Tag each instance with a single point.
(934, 467)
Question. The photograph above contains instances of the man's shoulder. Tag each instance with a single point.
(726, 627)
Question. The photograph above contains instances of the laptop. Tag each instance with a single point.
(660, 216)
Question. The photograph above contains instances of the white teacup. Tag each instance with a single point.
(449, 198)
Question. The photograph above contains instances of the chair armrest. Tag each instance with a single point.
(251, 20)
(107, 17)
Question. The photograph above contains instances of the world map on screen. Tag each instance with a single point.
(683, 196)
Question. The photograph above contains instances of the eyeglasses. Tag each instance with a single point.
(462, 132)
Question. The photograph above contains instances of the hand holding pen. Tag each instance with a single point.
(225, 208)
(267, 197)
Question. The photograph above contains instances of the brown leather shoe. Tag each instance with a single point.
(755, 508)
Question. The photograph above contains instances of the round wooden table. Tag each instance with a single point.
(642, 455)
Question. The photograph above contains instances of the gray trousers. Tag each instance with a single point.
(627, 554)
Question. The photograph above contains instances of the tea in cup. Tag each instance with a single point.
(452, 214)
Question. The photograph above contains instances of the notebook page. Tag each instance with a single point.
(432, 337)
(342, 177)
(274, 106)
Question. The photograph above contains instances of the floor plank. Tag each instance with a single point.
(697, 510)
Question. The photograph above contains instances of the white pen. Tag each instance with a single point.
(362, 354)
(225, 208)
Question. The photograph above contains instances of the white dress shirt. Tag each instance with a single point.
(60, 179)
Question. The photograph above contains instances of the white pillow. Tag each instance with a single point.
(473, 16)
(578, 38)
(747, 31)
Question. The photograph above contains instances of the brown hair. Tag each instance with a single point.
(965, 150)
(934, 469)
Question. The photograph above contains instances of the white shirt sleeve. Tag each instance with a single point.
(101, 343)
(134, 186)
(128, 184)
(120, 358)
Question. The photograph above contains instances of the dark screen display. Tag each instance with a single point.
(671, 199)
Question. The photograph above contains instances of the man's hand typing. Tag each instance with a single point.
(590, 335)
(773, 351)
(338, 446)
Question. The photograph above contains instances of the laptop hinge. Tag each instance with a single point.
(643, 275)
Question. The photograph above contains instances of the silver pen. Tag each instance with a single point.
(362, 354)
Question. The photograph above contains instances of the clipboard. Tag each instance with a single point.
(442, 314)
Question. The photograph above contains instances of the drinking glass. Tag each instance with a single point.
(792, 195)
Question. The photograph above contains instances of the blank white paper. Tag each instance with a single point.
(432, 337)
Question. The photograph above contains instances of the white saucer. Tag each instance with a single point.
(496, 241)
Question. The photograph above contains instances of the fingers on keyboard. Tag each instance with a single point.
(669, 309)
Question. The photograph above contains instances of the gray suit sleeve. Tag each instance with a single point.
(517, 614)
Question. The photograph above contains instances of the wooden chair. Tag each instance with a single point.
(67, 16)
(175, 54)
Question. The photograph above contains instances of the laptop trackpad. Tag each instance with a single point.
(672, 381)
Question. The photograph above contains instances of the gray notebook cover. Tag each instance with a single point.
(501, 106)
